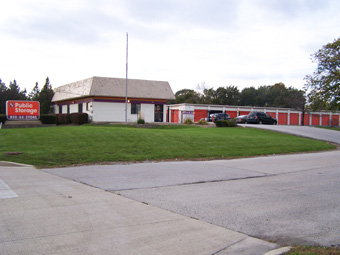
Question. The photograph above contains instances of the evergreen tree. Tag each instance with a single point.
(3, 97)
(45, 97)
(34, 94)
(14, 93)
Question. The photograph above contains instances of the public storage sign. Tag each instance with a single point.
(22, 110)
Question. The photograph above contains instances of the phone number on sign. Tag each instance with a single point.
(18, 117)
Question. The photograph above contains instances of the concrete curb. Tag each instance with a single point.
(13, 164)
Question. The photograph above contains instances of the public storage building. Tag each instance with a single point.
(103, 99)
(178, 113)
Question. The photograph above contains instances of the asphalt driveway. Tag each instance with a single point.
(287, 199)
(304, 131)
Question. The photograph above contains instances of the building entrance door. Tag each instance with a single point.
(158, 113)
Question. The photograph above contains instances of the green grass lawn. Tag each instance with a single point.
(332, 128)
(71, 145)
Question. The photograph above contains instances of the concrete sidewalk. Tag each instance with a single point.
(45, 214)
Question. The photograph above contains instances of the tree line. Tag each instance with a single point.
(277, 95)
(321, 91)
(13, 92)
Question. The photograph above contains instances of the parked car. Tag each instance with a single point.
(221, 116)
(241, 119)
(260, 118)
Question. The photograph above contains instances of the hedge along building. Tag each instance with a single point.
(103, 99)
(285, 116)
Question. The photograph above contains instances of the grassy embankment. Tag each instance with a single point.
(308, 250)
(332, 128)
(87, 144)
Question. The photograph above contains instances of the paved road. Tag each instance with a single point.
(305, 131)
(288, 199)
(45, 214)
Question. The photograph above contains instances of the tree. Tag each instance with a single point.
(187, 96)
(324, 83)
(45, 97)
(209, 96)
(276, 94)
(262, 96)
(229, 95)
(3, 97)
(34, 94)
(294, 98)
(14, 93)
(248, 96)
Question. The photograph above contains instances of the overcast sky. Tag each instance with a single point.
(186, 42)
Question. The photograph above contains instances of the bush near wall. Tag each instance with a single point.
(48, 118)
(140, 121)
(63, 119)
(226, 123)
(188, 121)
(3, 118)
(79, 118)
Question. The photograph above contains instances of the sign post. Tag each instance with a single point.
(22, 110)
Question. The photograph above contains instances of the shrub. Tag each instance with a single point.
(48, 118)
(63, 119)
(221, 123)
(232, 123)
(140, 121)
(226, 123)
(203, 122)
(3, 118)
(188, 121)
(79, 118)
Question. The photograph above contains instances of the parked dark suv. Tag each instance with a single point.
(260, 118)
(221, 116)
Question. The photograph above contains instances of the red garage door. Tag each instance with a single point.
(294, 119)
(283, 118)
(315, 119)
(200, 114)
(335, 120)
(273, 114)
(325, 120)
(233, 114)
(174, 116)
(306, 119)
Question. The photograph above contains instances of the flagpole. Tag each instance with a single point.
(126, 81)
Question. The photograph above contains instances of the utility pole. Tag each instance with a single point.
(126, 82)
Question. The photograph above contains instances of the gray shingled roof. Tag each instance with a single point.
(114, 87)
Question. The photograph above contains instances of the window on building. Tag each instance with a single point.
(60, 109)
(80, 107)
(135, 108)
(68, 109)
